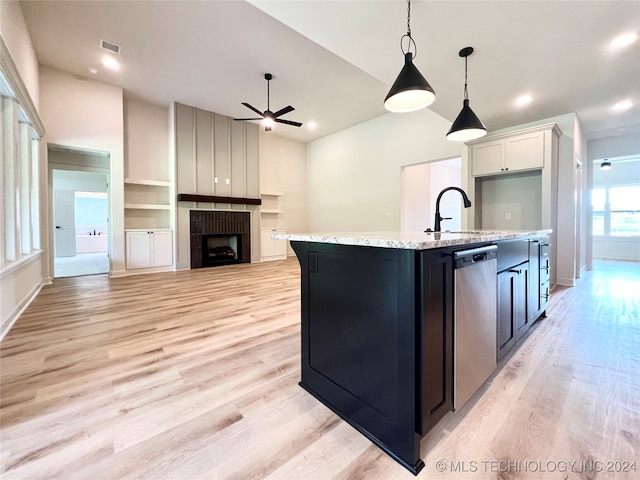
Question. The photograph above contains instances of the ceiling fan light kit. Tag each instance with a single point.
(467, 126)
(410, 91)
(268, 117)
(605, 165)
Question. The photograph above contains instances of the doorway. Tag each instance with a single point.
(80, 206)
(420, 186)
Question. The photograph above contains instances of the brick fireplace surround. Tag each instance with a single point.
(206, 223)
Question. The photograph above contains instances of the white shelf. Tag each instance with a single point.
(271, 210)
(272, 194)
(146, 206)
(153, 183)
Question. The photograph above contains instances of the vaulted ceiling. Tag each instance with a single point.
(334, 61)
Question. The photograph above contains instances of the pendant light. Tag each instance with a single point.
(605, 165)
(410, 91)
(467, 126)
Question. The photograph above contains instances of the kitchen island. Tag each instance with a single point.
(377, 329)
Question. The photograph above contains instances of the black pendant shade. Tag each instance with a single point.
(467, 126)
(410, 91)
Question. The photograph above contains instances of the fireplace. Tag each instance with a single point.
(219, 238)
(221, 250)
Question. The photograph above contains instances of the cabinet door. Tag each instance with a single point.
(161, 248)
(138, 250)
(521, 318)
(524, 152)
(266, 243)
(534, 278)
(280, 246)
(488, 158)
(506, 312)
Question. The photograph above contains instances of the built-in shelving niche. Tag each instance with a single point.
(509, 202)
(147, 204)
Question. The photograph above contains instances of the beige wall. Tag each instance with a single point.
(16, 36)
(146, 141)
(20, 280)
(353, 176)
(85, 114)
(283, 168)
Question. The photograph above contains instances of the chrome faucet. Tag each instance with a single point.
(465, 199)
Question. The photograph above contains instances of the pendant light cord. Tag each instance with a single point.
(408, 34)
(466, 94)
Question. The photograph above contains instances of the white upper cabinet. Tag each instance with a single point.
(510, 153)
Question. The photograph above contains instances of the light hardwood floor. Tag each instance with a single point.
(194, 375)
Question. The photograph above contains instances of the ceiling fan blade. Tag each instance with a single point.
(283, 111)
(238, 119)
(288, 122)
(253, 108)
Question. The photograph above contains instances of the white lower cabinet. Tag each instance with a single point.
(149, 248)
(272, 249)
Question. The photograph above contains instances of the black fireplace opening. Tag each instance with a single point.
(221, 249)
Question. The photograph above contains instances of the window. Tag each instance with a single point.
(616, 211)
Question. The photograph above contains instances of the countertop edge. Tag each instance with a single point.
(409, 241)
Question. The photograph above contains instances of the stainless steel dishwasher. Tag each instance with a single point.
(475, 320)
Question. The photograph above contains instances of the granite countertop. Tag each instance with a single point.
(410, 240)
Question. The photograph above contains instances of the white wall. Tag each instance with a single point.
(146, 141)
(420, 186)
(20, 281)
(89, 115)
(283, 168)
(353, 176)
(16, 36)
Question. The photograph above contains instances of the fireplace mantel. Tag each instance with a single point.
(188, 197)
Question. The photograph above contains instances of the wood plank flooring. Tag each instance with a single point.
(193, 375)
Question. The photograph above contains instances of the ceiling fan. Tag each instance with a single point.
(268, 116)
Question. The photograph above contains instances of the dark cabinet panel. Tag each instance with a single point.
(538, 277)
(360, 344)
(435, 310)
(512, 306)
(506, 312)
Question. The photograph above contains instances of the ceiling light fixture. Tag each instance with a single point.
(110, 63)
(410, 91)
(523, 100)
(467, 126)
(605, 165)
(312, 125)
(624, 40)
(623, 105)
(93, 70)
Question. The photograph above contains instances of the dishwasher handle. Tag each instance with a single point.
(466, 258)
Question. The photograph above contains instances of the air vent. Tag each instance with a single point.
(112, 47)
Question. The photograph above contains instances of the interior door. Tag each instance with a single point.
(64, 223)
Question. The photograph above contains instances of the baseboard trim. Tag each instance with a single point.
(13, 318)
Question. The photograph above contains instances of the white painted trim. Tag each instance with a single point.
(19, 310)
(566, 282)
(18, 89)
(21, 262)
(547, 126)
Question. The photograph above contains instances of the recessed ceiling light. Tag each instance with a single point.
(110, 62)
(623, 105)
(312, 125)
(93, 70)
(624, 40)
(523, 100)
